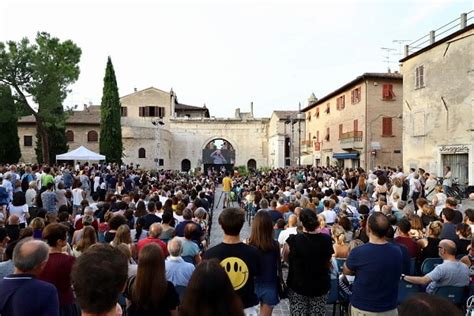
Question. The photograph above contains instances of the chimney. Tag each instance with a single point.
(135, 90)
(237, 113)
(251, 108)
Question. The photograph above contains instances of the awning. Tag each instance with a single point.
(81, 153)
(307, 160)
(345, 155)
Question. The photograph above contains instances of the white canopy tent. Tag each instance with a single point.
(81, 153)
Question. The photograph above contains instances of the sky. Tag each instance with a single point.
(227, 54)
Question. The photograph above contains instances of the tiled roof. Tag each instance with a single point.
(285, 114)
(180, 106)
(367, 75)
(89, 116)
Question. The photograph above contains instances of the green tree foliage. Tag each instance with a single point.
(9, 141)
(40, 75)
(110, 128)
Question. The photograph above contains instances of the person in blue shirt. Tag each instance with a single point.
(377, 267)
(21, 293)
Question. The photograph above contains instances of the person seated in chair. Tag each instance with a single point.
(450, 273)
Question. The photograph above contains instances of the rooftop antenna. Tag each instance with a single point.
(400, 43)
(386, 59)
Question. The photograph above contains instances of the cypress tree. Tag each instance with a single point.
(9, 141)
(110, 127)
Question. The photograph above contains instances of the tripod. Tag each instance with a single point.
(228, 199)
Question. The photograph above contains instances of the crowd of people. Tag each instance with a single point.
(116, 240)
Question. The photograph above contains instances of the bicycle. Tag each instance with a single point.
(457, 190)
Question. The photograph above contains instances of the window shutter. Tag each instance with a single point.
(327, 134)
(340, 130)
(343, 101)
(352, 96)
(387, 126)
(309, 136)
(356, 125)
(317, 136)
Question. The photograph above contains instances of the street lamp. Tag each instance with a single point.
(158, 124)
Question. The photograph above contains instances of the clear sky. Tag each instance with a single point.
(228, 53)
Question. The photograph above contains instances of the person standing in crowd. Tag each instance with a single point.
(261, 237)
(226, 188)
(240, 261)
(58, 268)
(449, 228)
(149, 292)
(447, 180)
(308, 255)
(19, 208)
(98, 277)
(210, 293)
(377, 267)
(21, 293)
(48, 198)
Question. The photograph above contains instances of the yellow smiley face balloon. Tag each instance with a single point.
(237, 271)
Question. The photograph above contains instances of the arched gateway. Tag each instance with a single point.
(218, 154)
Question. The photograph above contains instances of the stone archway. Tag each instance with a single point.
(252, 164)
(185, 165)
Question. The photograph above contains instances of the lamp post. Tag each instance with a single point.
(300, 116)
(158, 124)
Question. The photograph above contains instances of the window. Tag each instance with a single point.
(340, 130)
(387, 92)
(317, 136)
(328, 108)
(27, 140)
(341, 102)
(151, 111)
(317, 112)
(387, 126)
(356, 125)
(328, 134)
(309, 116)
(70, 136)
(419, 77)
(161, 162)
(123, 111)
(309, 136)
(355, 95)
(141, 153)
(92, 137)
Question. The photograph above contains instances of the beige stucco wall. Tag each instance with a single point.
(449, 76)
(369, 112)
(28, 154)
(248, 137)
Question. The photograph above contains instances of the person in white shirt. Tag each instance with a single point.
(290, 230)
(447, 180)
(329, 213)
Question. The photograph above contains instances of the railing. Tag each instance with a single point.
(447, 29)
(306, 142)
(354, 136)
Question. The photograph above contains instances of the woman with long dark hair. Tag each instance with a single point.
(149, 292)
(266, 285)
(309, 255)
(210, 293)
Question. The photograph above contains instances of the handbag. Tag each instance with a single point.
(282, 288)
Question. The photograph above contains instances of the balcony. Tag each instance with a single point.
(306, 146)
(351, 140)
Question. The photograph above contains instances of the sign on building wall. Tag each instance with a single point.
(453, 149)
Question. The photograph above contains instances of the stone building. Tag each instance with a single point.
(159, 132)
(438, 93)
(357, 125)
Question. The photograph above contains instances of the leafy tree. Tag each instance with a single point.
(39, 75)
(9, 141)
(110, 128)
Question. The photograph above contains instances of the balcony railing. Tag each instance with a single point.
(354, 136)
